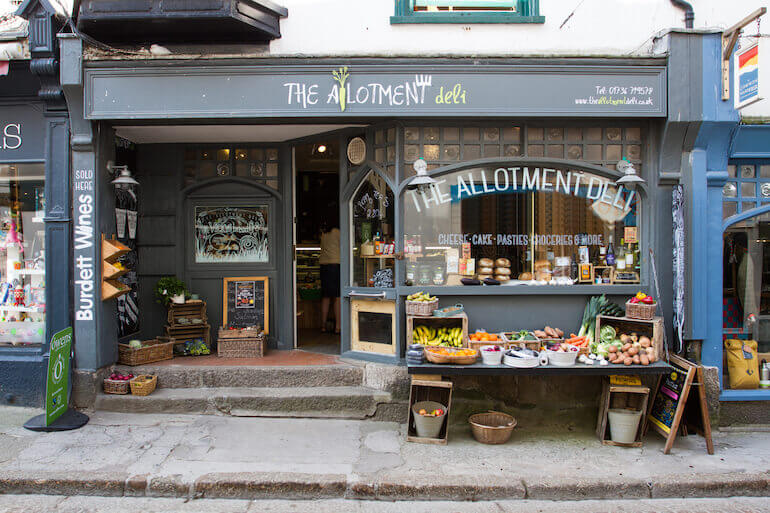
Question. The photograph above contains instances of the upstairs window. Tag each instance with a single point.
(467, 11)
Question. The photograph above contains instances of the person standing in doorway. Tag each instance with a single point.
(330, 272)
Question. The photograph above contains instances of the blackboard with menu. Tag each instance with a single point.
(245, 302)
(674, 406)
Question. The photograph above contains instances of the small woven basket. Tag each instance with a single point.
(421, 308)
(492, 428)
(640, 310)
(144, 384)
(115, 386)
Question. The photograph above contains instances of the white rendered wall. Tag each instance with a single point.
(597, 27)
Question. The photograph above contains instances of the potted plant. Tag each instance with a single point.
(170, 289)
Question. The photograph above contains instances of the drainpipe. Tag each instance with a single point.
(689, 15)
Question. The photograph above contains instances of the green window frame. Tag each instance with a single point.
(472, 11)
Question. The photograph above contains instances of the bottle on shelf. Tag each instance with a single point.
(602, 255)
(574, 268)
(630, 257)
(620, 257)
(610, 257)
(377, 244)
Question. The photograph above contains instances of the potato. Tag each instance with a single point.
(636, 359)
(626, 346)
(653, 358)
(632, 351)
(644, 359)
(628, 361)
(645, 342)
(612, 349)
(625, 338)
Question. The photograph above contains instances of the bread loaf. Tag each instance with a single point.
(486, 262)
(503, 271)
(502, 262)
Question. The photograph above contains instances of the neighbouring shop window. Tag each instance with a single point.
(467, 11)
(22, 255)
(521, 225)
(258, 164)
(746, 295)
(231, 234)
(748, 187)
(373, 245)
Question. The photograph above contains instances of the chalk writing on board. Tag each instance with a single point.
(246, 302)
(666, 401)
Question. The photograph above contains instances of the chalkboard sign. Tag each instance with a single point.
(672, 398)
(245, 302)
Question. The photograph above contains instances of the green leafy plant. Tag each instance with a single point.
(167, 287)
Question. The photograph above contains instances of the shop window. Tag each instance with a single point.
(529, 225)
(467, 11)
(22, 255)
(226, 234)
(372, 231)
(746, 292)
(748, 187)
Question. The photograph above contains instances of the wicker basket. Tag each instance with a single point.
(143, 384)
(115, 386)
(640, 310)
(241, 344)
(422, 308)
(452, 360)
(492, 427)
(155, 350)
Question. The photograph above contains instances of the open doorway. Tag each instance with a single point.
(317, 246)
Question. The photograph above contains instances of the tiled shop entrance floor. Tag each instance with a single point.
(272, 358)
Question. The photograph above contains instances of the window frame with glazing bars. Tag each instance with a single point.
(527, 11)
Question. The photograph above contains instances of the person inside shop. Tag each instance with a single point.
(329, 262)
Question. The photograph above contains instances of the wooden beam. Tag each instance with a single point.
(729, 39)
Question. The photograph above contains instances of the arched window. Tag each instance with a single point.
(372, 233)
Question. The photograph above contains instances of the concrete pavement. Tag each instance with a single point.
(61, 504)
(186, 456)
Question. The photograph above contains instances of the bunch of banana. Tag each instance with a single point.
(420, 296)
(448, 337)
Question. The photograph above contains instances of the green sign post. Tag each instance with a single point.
(57, 383)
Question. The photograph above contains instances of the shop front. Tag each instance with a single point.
(33, 173)
(522, 158)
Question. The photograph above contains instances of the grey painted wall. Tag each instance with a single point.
(164, 232)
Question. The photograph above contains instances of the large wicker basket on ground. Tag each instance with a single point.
(155, 350)
(492, 427)
(240, 343)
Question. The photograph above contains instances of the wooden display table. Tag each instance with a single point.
(579, 369)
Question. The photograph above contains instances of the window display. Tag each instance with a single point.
(520, 225)
(22, 255)
(231, 234)
(373, 251)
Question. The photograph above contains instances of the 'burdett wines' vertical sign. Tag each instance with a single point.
(83, 236)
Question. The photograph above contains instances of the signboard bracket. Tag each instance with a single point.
(729, 39)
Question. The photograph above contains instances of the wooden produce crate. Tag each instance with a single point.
(190, 332)
(460, 320)
(191, 310)
(621, 397)
(653, 329)
(240, 343)
(429, 390)
(155, 350)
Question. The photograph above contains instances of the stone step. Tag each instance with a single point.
(342, 402)
(216, 376)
